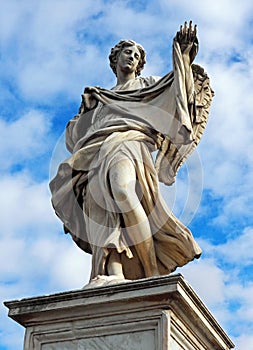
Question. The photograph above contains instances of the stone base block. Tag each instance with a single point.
(158, 313)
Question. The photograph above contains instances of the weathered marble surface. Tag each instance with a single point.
(143, 340)
(158, 313)
(107, 192)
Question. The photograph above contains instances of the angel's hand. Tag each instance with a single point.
(88, 100)
(90, 89)
(187, 39)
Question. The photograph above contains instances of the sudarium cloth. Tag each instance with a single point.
(130, 121)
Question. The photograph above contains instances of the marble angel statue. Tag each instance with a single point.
(107, 192)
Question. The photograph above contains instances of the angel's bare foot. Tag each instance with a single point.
(103, 280)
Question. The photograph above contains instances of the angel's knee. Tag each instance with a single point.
(123, 182)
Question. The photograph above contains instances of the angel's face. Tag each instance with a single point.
(128, 59)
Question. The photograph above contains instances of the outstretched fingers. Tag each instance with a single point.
(188, 33)
(192, 33)
(187, 39)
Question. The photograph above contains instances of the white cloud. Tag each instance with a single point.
(221, 25)
(24, 138)
(242, 295)
(49, 258)
(26, 206)
(245, 341)
(47, 58)
(207, 279)
(12, 251)
(227, 146)
(238, 250)
(71, 268)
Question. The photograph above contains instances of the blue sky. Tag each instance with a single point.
(50, 50)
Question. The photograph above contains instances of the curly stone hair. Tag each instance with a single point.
(115, 51)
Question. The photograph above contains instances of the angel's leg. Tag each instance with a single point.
(114, 265)
(123, 184)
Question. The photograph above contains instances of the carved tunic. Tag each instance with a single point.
(132, 121)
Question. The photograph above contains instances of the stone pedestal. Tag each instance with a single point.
(158, 313)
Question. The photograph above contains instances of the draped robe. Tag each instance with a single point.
(131, 121)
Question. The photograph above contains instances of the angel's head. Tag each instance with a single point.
(118, 48)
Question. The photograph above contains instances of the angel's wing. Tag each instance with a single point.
(170, 156)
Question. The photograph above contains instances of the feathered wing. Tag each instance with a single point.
(171, 156)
